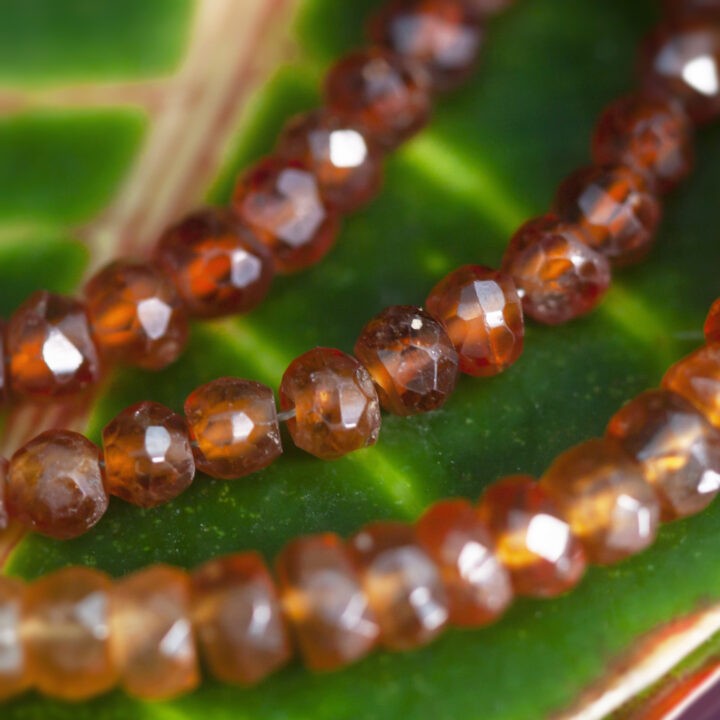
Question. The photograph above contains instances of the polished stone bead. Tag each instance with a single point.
(676, 447)
(148, 458)
(135, 315)
(325, 603)
(403, 585)
(4, 516)
(55, 485)
(605, 498)
(389, 95)
(482, 313)
(14, 670)
(335, 402)
(238, 619)
(49, 346)
(712, 323)
(151, 633)
(613, 209)
(477, 585)
(68, 634)
(217, 264)
(281, 200)
(410, 358)
(234, 424)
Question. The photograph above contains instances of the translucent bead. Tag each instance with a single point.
(712, 324)
(14, 670)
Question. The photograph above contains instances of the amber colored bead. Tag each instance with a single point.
(68, 634)
(697, 379)
(389, 95)
(55, 485)
(325, 603)
(4, 517)
(49, 346)
(217, 264)
(336, 405)
(482, 313)
(676, 447)
(410, 358)
(151, 633)
(477, 585)
(234, 424)
(14, 670)
(148, 458)
(281, 200)
(712, 323)
(653, 137)
(238, 619)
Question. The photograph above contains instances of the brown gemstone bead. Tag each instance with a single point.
(148, 458)
(477, 585)
(676, 447)
(389, 95)
(55, 485)
(348, 165)
(444, 36)
(234, 423)
(325, 603)
(651, 137)
(238, 620)
(557, 276)
(482, 313)
(712, 323)
(605, 498)
(697, 379)
(336, 405)
(50, 348)
(14, 671)
(68, 634)
(281, 200)
(402, 583)
(613, 209)
(4, 517)
(217, 264)
(151, 633)
(699, 9)
(410, 358)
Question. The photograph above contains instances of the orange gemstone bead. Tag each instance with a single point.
(533, 541)
(234, 424)
(676, 447)
(410, 358)
(336, 406)
(55, 485)
(217, 264)
(697, 379)
(402, 583)
(238, 619)
(68, 634)
(148, 458)
(151, 633)
(712, 324)
(4, 517)
(325, 603)
(14, 671)
(477, 585)
(49, 347)
(482, 313)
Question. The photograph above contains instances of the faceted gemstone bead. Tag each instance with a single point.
(482, 313)
(410, 358)
(234, 424)
(135, 315)
(68, 634)
(325, 603)
(402, 583)
(477, 585)
(217, 264)
(151, 633)
(605, 498)
(712, 323)
(444, 36)
(50, 348)
(347, 165)
(613, 209)
(697, 378)
(238, 619)
(14, 671)
(148, 458)
(557, 276)
(676, 447)
(55, 485)
(388, 94)
(281, 200)
(651, 137)
(335, 402)
(4, 517)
